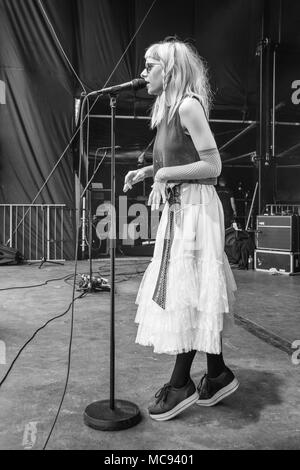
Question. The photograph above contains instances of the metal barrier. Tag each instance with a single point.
(283, 209)
(37, 231)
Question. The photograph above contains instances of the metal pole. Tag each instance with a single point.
(273, 102)
(113, 103)
(273, 129)
(259, 128)
(249, 154)
(108, 415)
(48, 232)
(265, 177)
(221, 121)
(288, 150)
(244, 131)
(81, 159)
(83, 226)
(251, 207)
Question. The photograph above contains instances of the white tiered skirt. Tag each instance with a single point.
(199, 286)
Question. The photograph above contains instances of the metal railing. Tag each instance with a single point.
(283, 209)
(37, 231)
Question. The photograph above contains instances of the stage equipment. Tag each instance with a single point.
(272, 261)
(135, 84)
(112, 414)
(10, 256)
(91, 285)
(98, 283)
(280, 233)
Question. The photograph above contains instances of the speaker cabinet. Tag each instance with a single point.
(283, 262)
(278, 233)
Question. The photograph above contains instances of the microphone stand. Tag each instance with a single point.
(112, 414)
(86, 198)
(87, 190)
(141, 163)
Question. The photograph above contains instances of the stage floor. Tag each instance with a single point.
(264, 413)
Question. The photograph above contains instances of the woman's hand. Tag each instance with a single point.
(157, 194)
(132, 178)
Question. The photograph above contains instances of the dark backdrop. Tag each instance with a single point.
(37, 121)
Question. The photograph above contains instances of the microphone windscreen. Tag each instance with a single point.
(138, 83)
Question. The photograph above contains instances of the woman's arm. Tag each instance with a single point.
(148, 170)
(193, 119)
(135, 176)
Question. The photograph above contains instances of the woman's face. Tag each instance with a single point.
(152, 73)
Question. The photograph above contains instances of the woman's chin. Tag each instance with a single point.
(152, 91)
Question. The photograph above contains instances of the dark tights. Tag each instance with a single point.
(182, 368)
(183, 364)
(215, 365)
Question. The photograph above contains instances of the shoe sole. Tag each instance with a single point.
(220, 395)
(183, 405)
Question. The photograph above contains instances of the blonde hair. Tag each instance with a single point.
(184, 74)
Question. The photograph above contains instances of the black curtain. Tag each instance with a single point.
(36, 121)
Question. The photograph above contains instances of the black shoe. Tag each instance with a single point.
(211, 391)
(171, 401)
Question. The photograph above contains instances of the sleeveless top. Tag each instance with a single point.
(173, 147)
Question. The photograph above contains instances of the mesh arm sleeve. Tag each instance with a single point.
(209, 166)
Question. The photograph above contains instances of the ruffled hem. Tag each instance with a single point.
(195, 339)
(200, 298)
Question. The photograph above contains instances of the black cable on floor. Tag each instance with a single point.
(32, 337)
(71, 337)
(67, 277)
(70, 347)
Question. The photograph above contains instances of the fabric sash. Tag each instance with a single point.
(173, 199)
(174, 202)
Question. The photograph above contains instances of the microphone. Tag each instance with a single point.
(135, 84)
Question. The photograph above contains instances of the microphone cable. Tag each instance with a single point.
(67, 277)
(77, 240)
(71, 329)
(33, 336)
(60, 45)
(86, 116)
(70, 339)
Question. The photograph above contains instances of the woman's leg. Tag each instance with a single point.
(215, 365)
(182, 369)
(218, 383)
(178, 394)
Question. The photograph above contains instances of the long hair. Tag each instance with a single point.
(184, 74)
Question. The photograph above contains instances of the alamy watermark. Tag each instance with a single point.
(142, 224)
(30, 435)
(296, 94)
(2, 353)
(2, 92)
(296, 354)
(137, 228)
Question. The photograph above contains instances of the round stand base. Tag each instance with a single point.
(99, 415)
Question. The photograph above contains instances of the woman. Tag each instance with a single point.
(186, 294)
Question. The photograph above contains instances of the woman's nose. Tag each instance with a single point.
(143, 73)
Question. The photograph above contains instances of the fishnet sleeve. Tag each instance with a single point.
(209, 166)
